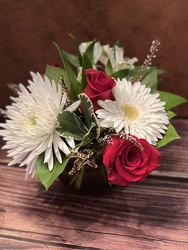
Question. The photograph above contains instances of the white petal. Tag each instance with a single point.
(71, 142)
(74, 106)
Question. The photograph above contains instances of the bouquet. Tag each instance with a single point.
(98, 118)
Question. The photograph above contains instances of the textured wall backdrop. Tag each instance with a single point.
(28, 27)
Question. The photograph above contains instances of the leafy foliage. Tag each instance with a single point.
(71, 125)
(48, 177)
(89, 115)
(83, 130)
(70, 78)
(171, 100)
(169, 136)
(54, 73)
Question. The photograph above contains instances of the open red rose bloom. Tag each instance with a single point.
(129, 161)
(99, 86)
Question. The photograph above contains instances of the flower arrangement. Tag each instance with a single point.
(99, 113)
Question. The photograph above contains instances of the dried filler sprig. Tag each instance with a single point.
(147, 62)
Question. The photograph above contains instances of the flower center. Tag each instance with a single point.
(29, 123)
(130, 112)
(32, 121)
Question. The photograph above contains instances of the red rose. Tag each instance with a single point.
(99, 86)
(127, 162)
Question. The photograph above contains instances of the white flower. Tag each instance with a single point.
(116, 56)
(96, 51)
(135, 111)
(31, 125)
(107, 54)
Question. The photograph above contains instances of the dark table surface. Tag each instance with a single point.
(148, 215)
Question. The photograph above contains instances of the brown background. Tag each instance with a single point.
(28, 27)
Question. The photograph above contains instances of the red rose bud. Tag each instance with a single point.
(127, 162)
(99, 86)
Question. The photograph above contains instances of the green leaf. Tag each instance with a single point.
(77, 48)
(70, 79)
(169, 136)
(70, 125)
(170, 99)
(120, 74)
(161, 71)
(117, 43)
(90, 51)
(88, 109)
(109, 70)
(88, 138)
(72, 59)
(86, 64)
(149, 76)
(54, 73)
(170, 114)
(46, 176)
(89, 115)
(136, 70)
(151, 79)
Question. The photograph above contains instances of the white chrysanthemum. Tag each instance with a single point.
(30, 127)
(135, 111)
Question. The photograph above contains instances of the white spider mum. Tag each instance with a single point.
(31, 125)
(135, 111)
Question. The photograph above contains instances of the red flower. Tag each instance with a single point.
(127, 162)
(99, 86)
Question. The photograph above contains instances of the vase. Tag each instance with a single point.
(87, 179)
